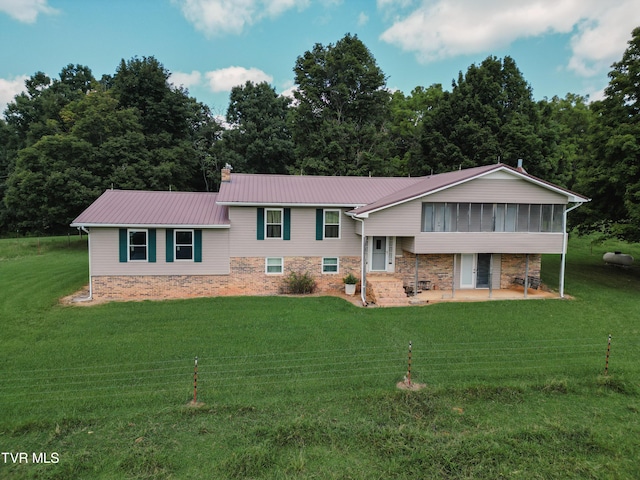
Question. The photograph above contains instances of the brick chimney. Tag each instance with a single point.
(226, 173)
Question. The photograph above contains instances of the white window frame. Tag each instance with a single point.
(130, 247)
(266, 223)
(176, 246)
(337, 265)
(266, 265)
(324, 223)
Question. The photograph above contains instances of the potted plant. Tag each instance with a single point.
(350, 282)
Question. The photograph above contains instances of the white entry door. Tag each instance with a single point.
(475, 270)
(467, 270)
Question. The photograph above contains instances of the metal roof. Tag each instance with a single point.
(255, 189)
(363, 194)
(140, 208)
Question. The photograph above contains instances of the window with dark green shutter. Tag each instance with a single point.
(169, 244)
(319, 223)
(197, 246)
(124, 254)
(260, 226)
(152, 245)
(286, 234)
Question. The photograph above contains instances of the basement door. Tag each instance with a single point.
(475, 270)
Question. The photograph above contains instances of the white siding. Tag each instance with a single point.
(105, 257)
(303, 243)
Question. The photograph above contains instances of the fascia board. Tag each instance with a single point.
(144, 225)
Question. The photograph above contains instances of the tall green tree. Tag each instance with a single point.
(259, 139)
(74, 138)
(407, 114)
(612, 176)
(342, 108)
(488, 116)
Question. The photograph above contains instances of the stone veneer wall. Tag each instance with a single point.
(247, 277)
(514, 265)
(438, 269)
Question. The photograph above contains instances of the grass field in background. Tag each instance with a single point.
(306, 387)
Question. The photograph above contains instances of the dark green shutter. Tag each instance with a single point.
(287, 224)
(152, 245)
(260, 234)
(197, 246)
(319, 223)
(169, 243)
(124, 254)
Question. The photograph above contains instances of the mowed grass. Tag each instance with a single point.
(306, 387)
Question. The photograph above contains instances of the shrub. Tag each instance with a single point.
(350, 279)
(299, 283)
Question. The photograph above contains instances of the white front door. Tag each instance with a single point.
(467, 270)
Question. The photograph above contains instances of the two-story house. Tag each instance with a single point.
(479, 228)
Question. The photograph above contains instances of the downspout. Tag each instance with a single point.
(363, 272)
(565, 240)
(90, 297)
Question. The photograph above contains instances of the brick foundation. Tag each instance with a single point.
(247, 277)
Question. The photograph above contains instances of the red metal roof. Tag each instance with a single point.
(255, 189)
(135, 207)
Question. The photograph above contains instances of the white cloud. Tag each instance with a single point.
(225, 79)
(288, 88)
(216, 17)
(186, 80)
(26, 11)
(363, 19)
(9, 88)
(439, 29)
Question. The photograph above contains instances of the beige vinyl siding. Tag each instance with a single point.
(497, 190)
(404, 220)
(486, 242)
(243, 239)
(105, 258)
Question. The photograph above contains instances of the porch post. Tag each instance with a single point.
(453, 278)
(526, 276)
(491, 276)
(564, 247)
(415, 285)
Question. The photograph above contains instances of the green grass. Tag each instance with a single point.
(305, 387)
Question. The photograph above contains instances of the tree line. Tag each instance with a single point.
(65, 140)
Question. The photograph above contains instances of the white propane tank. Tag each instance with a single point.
(618, 258)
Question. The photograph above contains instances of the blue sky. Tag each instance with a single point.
(208, 46)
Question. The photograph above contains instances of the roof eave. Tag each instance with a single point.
(289, 204)
(146, 225)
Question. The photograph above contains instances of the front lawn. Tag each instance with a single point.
(306, 387)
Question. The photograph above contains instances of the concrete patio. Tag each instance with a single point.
(479, 295)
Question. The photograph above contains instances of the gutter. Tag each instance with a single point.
(363, 270)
